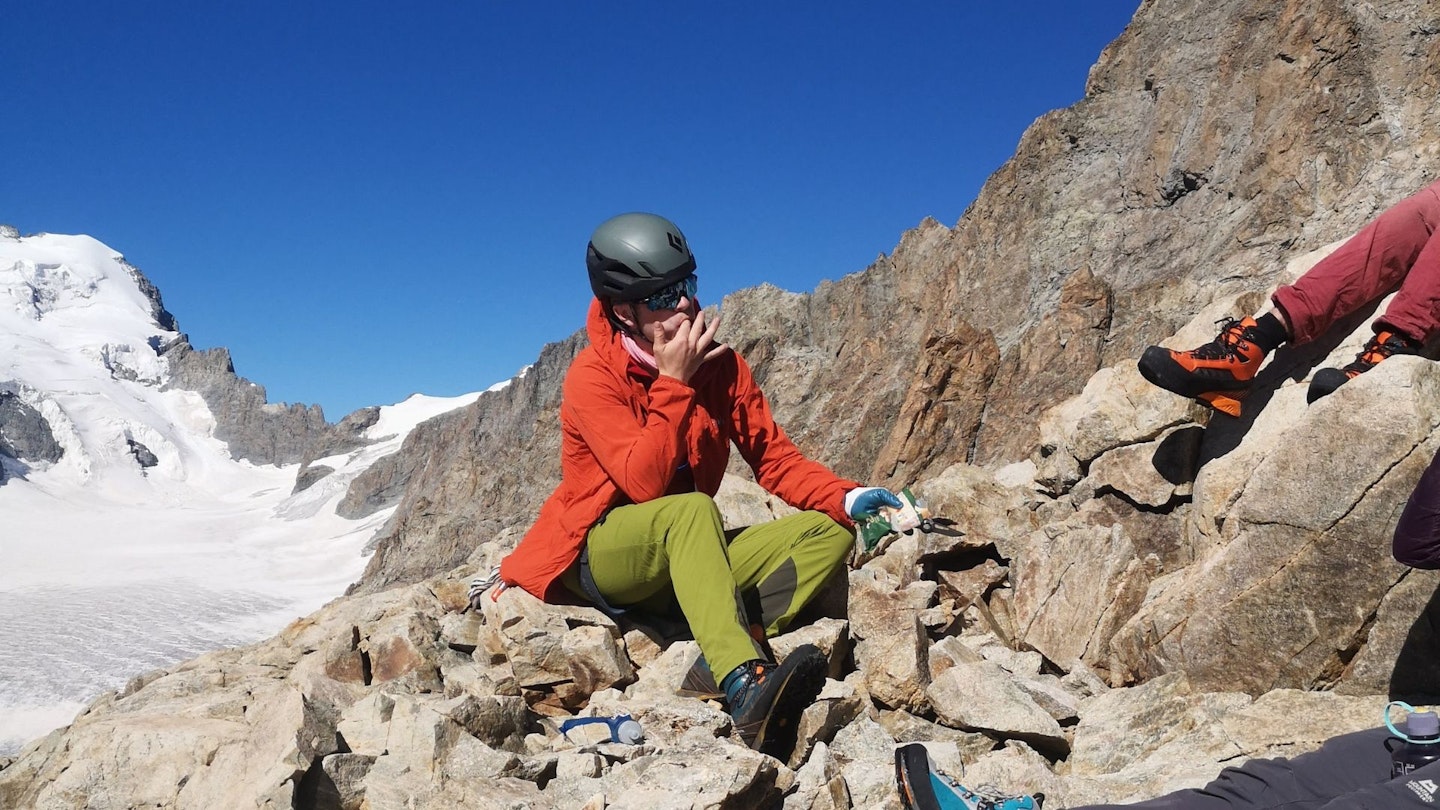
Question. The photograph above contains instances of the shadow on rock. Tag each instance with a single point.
(1177, 455)
(1416, 677)
(1290, 362)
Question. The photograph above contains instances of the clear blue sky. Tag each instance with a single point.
(364, 200)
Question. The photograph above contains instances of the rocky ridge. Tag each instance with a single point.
(1144, 593)
(254, 428)
(1212, 146)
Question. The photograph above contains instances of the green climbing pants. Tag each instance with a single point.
(675, 550)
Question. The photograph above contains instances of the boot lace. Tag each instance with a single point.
(755, 675)
(1381, 347)
(985, 797)
(1228, 344)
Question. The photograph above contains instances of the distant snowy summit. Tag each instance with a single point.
(81, 337)
(97, 381)
(155, 505)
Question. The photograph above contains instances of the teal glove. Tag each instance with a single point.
(863, 502)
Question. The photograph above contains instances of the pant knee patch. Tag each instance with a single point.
(777, 592)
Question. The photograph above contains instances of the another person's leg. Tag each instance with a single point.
(1415, 311)
(1407, 239)
(1417, 790)
(1369, 265)
(1351, 765)
(783, 564)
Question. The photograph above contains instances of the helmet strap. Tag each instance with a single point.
(620, 326)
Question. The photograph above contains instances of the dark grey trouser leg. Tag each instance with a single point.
(1349, 772)
(1418, 789)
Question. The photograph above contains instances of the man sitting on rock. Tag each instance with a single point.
(648, 414)
(1394, 251)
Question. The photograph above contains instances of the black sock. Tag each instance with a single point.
(1269, 332)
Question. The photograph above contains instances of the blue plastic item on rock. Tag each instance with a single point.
(623, 727)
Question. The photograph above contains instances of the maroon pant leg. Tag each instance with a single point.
(1396, 250)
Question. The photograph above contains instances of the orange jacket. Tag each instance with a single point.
(626, 432)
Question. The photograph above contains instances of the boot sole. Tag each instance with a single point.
(800, 687)
(1324, 383)
(912, 776)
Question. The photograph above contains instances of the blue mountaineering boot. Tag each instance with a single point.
(924, 787)
(766, 698)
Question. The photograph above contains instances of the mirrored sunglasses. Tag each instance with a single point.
(669, 297)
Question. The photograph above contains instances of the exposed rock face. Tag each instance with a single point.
(143, 456)
(1212, 144)
(24, 433)
(309, 475)
(378, 487)
(256, 430)
(158, 311)
(467, 475)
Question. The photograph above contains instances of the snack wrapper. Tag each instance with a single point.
(891, 520)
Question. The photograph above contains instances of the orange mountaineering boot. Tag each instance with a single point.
(1217, 374)
(1384, 344)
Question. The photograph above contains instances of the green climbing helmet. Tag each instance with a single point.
(634, 255)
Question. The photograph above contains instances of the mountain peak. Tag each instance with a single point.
(141, 480)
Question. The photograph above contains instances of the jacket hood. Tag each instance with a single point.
(597, 326)
(604, 337)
